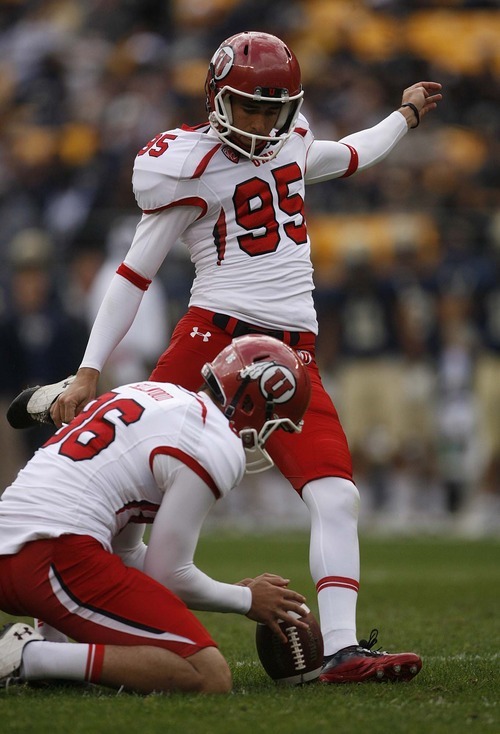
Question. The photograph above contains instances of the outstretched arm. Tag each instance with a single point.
(358, 151)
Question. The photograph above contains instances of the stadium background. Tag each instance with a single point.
(407, 255)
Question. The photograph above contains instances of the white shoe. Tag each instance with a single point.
(13, 639)
(32, 405)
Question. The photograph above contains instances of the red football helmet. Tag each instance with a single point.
(261, 67)
(260, 384)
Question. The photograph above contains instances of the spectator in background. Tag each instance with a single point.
(483, 509)
(38, 337)
(457, 442)
(357, 316)
(415, 492)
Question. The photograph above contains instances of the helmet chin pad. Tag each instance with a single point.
(257, 458)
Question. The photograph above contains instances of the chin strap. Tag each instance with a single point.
(231, 408)
(269, 407)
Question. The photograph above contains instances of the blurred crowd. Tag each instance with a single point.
(407, 255)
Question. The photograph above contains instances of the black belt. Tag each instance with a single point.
(235, 327)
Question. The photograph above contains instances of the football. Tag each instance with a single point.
(300, 659)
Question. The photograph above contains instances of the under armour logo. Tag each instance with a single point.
(22, 634)
(197, 332)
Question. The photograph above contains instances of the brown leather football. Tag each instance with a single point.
(300, 659)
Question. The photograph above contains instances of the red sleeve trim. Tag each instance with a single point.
(138, 280)
(353, 163)
(201, 167)
(189, 462)
(188, 201)
(300, 131)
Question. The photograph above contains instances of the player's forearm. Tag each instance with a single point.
(115, 317)
(328, 159)
(203, 593)
(174, 537)
(375, 143)
(170, 554)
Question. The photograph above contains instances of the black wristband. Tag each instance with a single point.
(415, 110)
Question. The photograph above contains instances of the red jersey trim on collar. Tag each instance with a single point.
(195, 128)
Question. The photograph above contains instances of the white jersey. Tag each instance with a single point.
(249, 243)
(242, 221)
(107, 468)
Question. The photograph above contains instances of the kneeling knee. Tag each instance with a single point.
(213, 670)
(218, 681)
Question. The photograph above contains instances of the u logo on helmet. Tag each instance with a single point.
(223, 62)
(279, 382)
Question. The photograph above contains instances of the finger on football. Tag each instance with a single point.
(278, 631)
(244, 582)
(296, 622)
(273, 579)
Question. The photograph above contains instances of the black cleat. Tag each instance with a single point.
(358, 663)
(32, 406)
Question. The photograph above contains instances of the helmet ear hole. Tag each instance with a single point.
(247, 404)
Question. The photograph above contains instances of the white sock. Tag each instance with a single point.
(64, 660)
(48, 632)
(334, 557)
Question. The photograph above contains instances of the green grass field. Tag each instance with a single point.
(440, 598)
